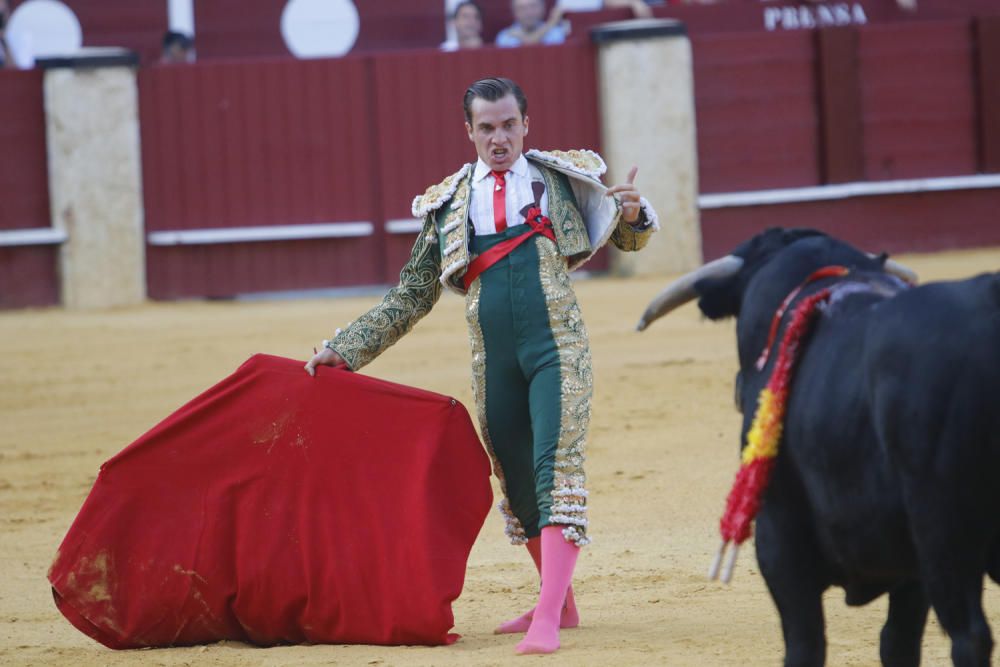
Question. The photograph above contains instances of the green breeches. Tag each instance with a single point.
(532, 381)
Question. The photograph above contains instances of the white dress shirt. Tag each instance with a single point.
(518, 194)
(590, 200)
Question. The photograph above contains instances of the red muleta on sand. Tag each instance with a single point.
(279, 508)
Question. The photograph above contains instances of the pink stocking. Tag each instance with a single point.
(558, 560)
(570, 617)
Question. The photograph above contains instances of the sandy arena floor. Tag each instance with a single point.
(78, 387)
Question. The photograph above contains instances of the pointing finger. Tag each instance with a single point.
(631, 175)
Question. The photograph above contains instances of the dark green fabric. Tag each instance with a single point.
(564, 211)
(523, 398)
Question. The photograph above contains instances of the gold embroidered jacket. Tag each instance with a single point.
(440, 254)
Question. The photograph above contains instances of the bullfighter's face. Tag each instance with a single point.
(498, 131)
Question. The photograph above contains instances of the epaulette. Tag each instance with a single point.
(436, 195)
(583, 162)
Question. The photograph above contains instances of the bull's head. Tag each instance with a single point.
(768, 267)
(753, 284)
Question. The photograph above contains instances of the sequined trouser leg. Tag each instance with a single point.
(532, 381)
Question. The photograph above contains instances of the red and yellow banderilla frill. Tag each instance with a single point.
(764, 435)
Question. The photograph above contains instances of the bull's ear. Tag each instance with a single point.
(720, 297)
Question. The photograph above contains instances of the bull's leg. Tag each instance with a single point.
(958, 602)
(790, 564)
(802, 623)
(952, 564)
(904, 629)
(942, 441)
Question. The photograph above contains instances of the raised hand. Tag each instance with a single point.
(628, 195)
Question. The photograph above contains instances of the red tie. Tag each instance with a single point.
(499, 200)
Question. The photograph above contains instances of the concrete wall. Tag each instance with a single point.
(92, 128)
(647, 120)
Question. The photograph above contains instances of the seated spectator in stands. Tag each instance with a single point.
(15, 50)
(531, 27)
(177, 48)
(467, 20)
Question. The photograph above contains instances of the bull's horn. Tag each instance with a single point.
(902, 272)
(893, 267)
(681, 291)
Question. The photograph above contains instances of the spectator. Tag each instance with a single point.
(530, 26)
(467, 20)
(177, 48)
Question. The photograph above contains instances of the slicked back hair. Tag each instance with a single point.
(491, 90)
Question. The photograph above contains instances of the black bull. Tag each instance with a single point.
(887, 478)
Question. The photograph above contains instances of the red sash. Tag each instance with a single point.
(538, 223)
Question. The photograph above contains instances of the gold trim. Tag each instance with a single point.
(584, 162)
(569, 493)
(513, 528)
(438, 194)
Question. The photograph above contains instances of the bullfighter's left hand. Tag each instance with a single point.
(628, 195)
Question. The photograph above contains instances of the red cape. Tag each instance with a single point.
(279, 508)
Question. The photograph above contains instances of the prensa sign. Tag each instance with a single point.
(806, 17)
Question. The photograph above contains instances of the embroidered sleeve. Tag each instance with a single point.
(402, 307)
(635, 236)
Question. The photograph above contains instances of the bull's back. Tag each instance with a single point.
(932, 363)
(933, 366)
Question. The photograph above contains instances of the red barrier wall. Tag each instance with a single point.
(987, 35)
(893, 101)
(248, 144)
(27, 274)
(917, 99)
(24, 184)
(917, 222)
(755, 96)
(880, 102)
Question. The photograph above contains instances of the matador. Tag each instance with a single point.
(505, 232)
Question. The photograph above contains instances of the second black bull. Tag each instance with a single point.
(887, 478)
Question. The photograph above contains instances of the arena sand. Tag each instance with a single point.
(77, 387)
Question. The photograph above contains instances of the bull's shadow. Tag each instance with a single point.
(885, 480)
